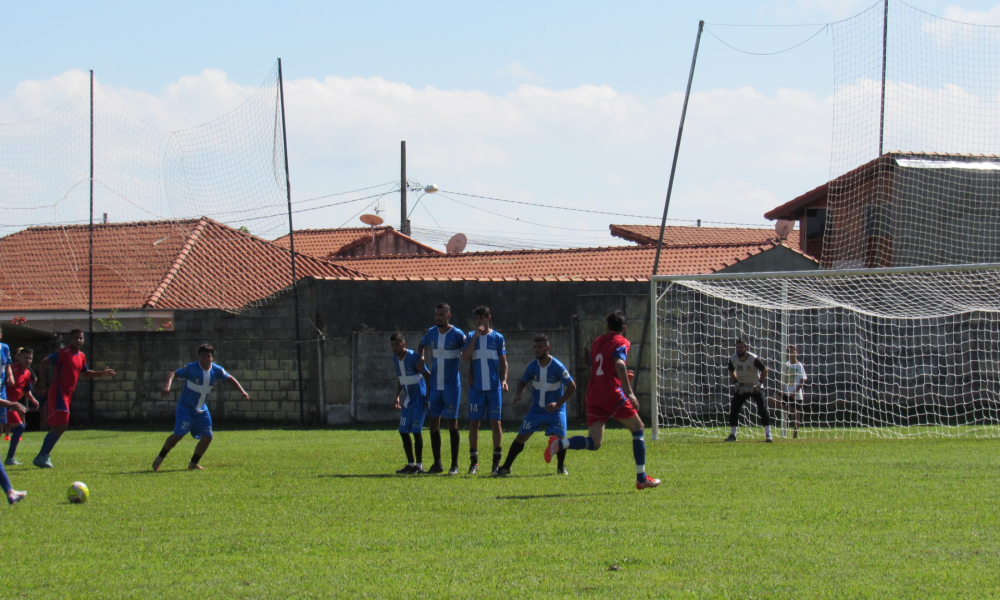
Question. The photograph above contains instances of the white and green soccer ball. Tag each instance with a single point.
(77, 493)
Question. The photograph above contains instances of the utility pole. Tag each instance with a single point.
(404, 223)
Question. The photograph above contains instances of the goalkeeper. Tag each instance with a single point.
(748, 372)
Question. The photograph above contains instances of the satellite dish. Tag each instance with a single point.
(430, 189)
(372, 220)
(457, 243)
(783, 227)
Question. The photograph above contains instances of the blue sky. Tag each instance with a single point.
(587, 95)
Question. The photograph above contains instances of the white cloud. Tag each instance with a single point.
(591, 146)
(975, 17)
(517, 70)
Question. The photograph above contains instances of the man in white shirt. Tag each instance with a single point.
(793, 379)
(748, 372)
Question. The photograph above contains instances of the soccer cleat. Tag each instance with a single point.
(6, 438)
(453, 470)
(193, 466)
(473, 469)
(731, 438)
(552, 448)
(157, 462)
(42, 461)
(15, 496)
(406, 470)
(435, 469)
(649, 483)
(769, 440)
(493, 469)
(502, 471)
(562, 471)
(418, 471)
(11, 462)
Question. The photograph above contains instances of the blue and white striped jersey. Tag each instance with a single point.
(446, 358)
(546, 382)
(414, 386)
(486, 360)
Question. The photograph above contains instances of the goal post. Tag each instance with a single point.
(889, 352)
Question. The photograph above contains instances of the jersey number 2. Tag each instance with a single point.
(600, 364)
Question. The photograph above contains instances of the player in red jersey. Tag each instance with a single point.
(69, 364)
(610, 395)
(21, 390)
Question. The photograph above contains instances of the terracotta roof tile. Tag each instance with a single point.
(694, 237)
(157, 264)
(323, 242)
(627, 263)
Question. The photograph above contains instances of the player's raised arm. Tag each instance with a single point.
(470, 343)
(106, 372)
(239, 388)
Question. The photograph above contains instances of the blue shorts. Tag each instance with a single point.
(554, 423)
(196, 422)
(444, 403)
(412, 418)
(485, 404)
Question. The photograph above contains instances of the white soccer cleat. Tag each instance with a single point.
(15, 496)
(649, 483)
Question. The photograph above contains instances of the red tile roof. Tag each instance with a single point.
(157, 264)
(330, 242)
(696, 237)
(627, 263)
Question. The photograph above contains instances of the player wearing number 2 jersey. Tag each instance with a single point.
(610, 395)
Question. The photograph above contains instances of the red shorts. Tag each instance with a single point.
(13, 417)
(57, 418)
(609, 407)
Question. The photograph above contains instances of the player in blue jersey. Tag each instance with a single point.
(6, 377)
(192, 413)
(485, 348)
(411, 372)
(551, 387)
(446, 342)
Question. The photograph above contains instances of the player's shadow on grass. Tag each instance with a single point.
(547, 496)
(149, 472)
(362, 475)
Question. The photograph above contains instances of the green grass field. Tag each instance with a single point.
(303, 514)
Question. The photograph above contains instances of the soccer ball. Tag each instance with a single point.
(78, 493)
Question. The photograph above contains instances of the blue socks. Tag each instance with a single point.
(578, 442)
(48, 444)
(4, 481)
(639, 451)
(15, 439)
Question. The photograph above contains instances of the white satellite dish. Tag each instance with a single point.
(783, 227)
(457, 243)
(430, 189)
(372, 220)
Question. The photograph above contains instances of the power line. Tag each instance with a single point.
(514, 218)
(583, 210)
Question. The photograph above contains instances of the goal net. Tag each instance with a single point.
(892, 352)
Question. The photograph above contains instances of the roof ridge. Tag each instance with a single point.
(178, 263)
(122, 224)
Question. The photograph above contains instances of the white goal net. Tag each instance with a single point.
(893, 352)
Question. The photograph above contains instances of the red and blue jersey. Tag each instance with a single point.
(23, 378)
(604, 380)
(68, 364)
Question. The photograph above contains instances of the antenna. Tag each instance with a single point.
(456, 244)
(372, 220)
(783, 227)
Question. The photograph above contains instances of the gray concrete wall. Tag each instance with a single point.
(778, 258)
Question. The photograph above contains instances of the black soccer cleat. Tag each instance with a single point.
(435, 469)
(501, 471)
(473, 469)
(405, 470)
(731, 438)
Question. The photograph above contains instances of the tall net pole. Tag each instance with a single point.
(291, 246)
(885, 45)
(666, 208)
(90, 253)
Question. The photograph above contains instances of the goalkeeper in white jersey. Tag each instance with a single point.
(748, 372)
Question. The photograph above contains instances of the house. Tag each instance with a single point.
(903, 209)
(143, 272)
(355, 241)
